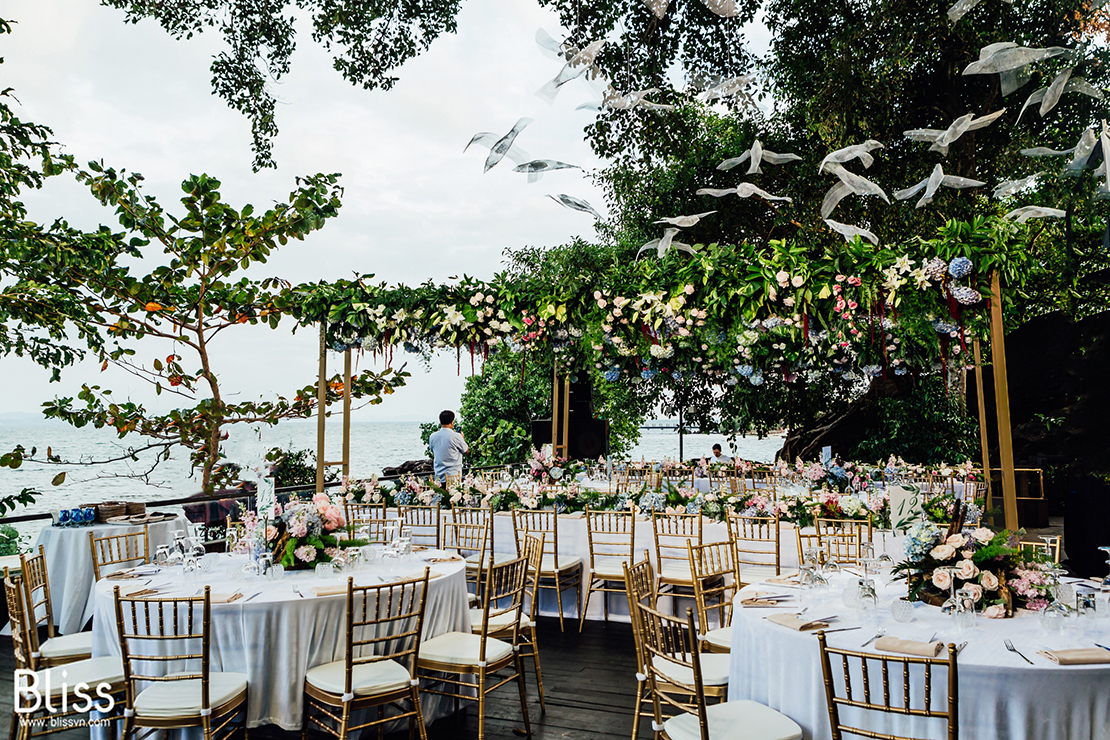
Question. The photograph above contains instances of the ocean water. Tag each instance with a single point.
(374, 445)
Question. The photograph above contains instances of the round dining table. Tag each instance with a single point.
(1000, 694)
(279, 629)
(69, 563)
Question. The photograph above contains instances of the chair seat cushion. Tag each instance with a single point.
(498, 557)
(608, 569)
(497, 623)
(566, 562)
(735, 720)
(462, 648)
(721, 638)
(92, 672)
(676, 570)
(182, 698)
(65, 646)
(714, 669)
(367, 679)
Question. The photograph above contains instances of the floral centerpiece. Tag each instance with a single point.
(550, 470)
(992, 566)
(301, 535)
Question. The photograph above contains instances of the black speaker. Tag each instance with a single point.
(589, 438)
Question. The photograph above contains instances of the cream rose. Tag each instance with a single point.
(942, 579)
(967, 554)
(957, 540)
(942, 552)
(966, 570)
(995, 612)
(983, 535)
(989, 581)
(975, 590)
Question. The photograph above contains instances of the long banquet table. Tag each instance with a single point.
(69, 563)
(1000, 695)
(276, 637)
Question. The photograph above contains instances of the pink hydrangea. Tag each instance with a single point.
(305, 553)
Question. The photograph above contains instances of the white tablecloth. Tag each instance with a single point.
(277, 636)
(1001, 696)
(69, 565)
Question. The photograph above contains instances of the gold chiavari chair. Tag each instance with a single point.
(756, 546)
(481, 655)
(478, 563)
(763, 479)
(865, 527)
(235, 531)
(612, 540)
(672, 532)
(670, 643)
(367, 520)
(425, 524)
(716, 581)
(1051, 550)
(559, 573)
(119, 549)
(469, 541)
(532, 551)
(384, 627)
(640, 586)
(46, 695)
(841, 548)
(857, 669)
(56, 649)
(156, 637)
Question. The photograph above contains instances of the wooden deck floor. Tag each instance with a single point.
(589, 683)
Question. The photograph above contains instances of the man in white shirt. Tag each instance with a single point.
(718, 456)
(448, 447)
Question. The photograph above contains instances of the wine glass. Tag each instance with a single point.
(1052, 543)
(950, 604)
(964, 613)
(1053, 615)
(1105, 585)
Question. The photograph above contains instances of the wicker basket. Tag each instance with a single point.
(135, 508)
(109, 509)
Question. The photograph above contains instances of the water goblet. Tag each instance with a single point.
(162, 556)
(251, 570)
(867, 599)
(1086, 610)
(1052, 543)
(950, 603)
(964, 613)
(1053, 615)
(1105, 585)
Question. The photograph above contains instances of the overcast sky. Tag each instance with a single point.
(416, 207)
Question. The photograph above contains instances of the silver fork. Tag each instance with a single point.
(1012, 649)
(297, 591)
(878, 634)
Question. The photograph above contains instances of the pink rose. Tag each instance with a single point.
(942, 579)
(997, 611)
(957, 540)
(982, 534)
(966, 570)
(942, 552)
(975, 590)
(989, 580)
(321, 500)
(271, 533)
(333, 517)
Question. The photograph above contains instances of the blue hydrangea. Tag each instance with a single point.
(756, 378)
(745, 370)
(404, 497)
(959, 267)
(920, 539)
(652, 501)
(972, 512)
(677, 375)
(612, 374)
(648, 374)
(694, 507)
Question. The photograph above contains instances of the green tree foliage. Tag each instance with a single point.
(499, 404)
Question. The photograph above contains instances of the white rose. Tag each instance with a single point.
(942, 552)
(989, 580)
(995, 612)
(797, 281)
(942, 579)
(975, 590)
(966, 570)
(983, 535)
(957, 540)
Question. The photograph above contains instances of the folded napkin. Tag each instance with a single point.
(136, 592)
(790, 580)
(450, 559)
(756, 599)
(796, 623)
(910, 647)
(1079, 656)
(121, 575)
(330, 590)
(224, 598)
(419, 548)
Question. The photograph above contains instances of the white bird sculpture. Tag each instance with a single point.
(934, 182)
(663, 245)
(1008, 188)
(743, 190)
(500, 148)
(684, 222)
(658, 8)
(941, 140)
(1023, 214)
(727, 88)
(851, 232)
(576, 204)
(575, 67)
(537, 167)
(757, 155)
(1062, 84)
(862, 152)
(1007, 56)
(723, 8)
(849, 183)
(638, 99)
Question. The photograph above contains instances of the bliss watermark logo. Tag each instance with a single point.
(34, 692)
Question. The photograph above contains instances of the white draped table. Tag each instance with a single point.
(277, 636)
(69, 563)
(1000, 695)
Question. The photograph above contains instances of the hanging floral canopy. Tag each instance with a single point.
(732, 313)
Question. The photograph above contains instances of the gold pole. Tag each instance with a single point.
(347, 413)
(555, 411)
(981, 399)
(1002, 407)
(321, 403)
(566, 416)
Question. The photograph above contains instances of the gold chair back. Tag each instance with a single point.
(527, 521)
(367, 520)
(1050, 550)
(611, 535)
(36, 590)
(855, 683)
(469, 535)
(17, 616)
(756, 542)
(384, 622)
(842, 547)
(119, 549)
(672, 532)
(716, 580)
(425, 524)
(505, 585)
(670, 644)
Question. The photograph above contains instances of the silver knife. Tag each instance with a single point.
(840, 629)
(961, 646)
(256, 593)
